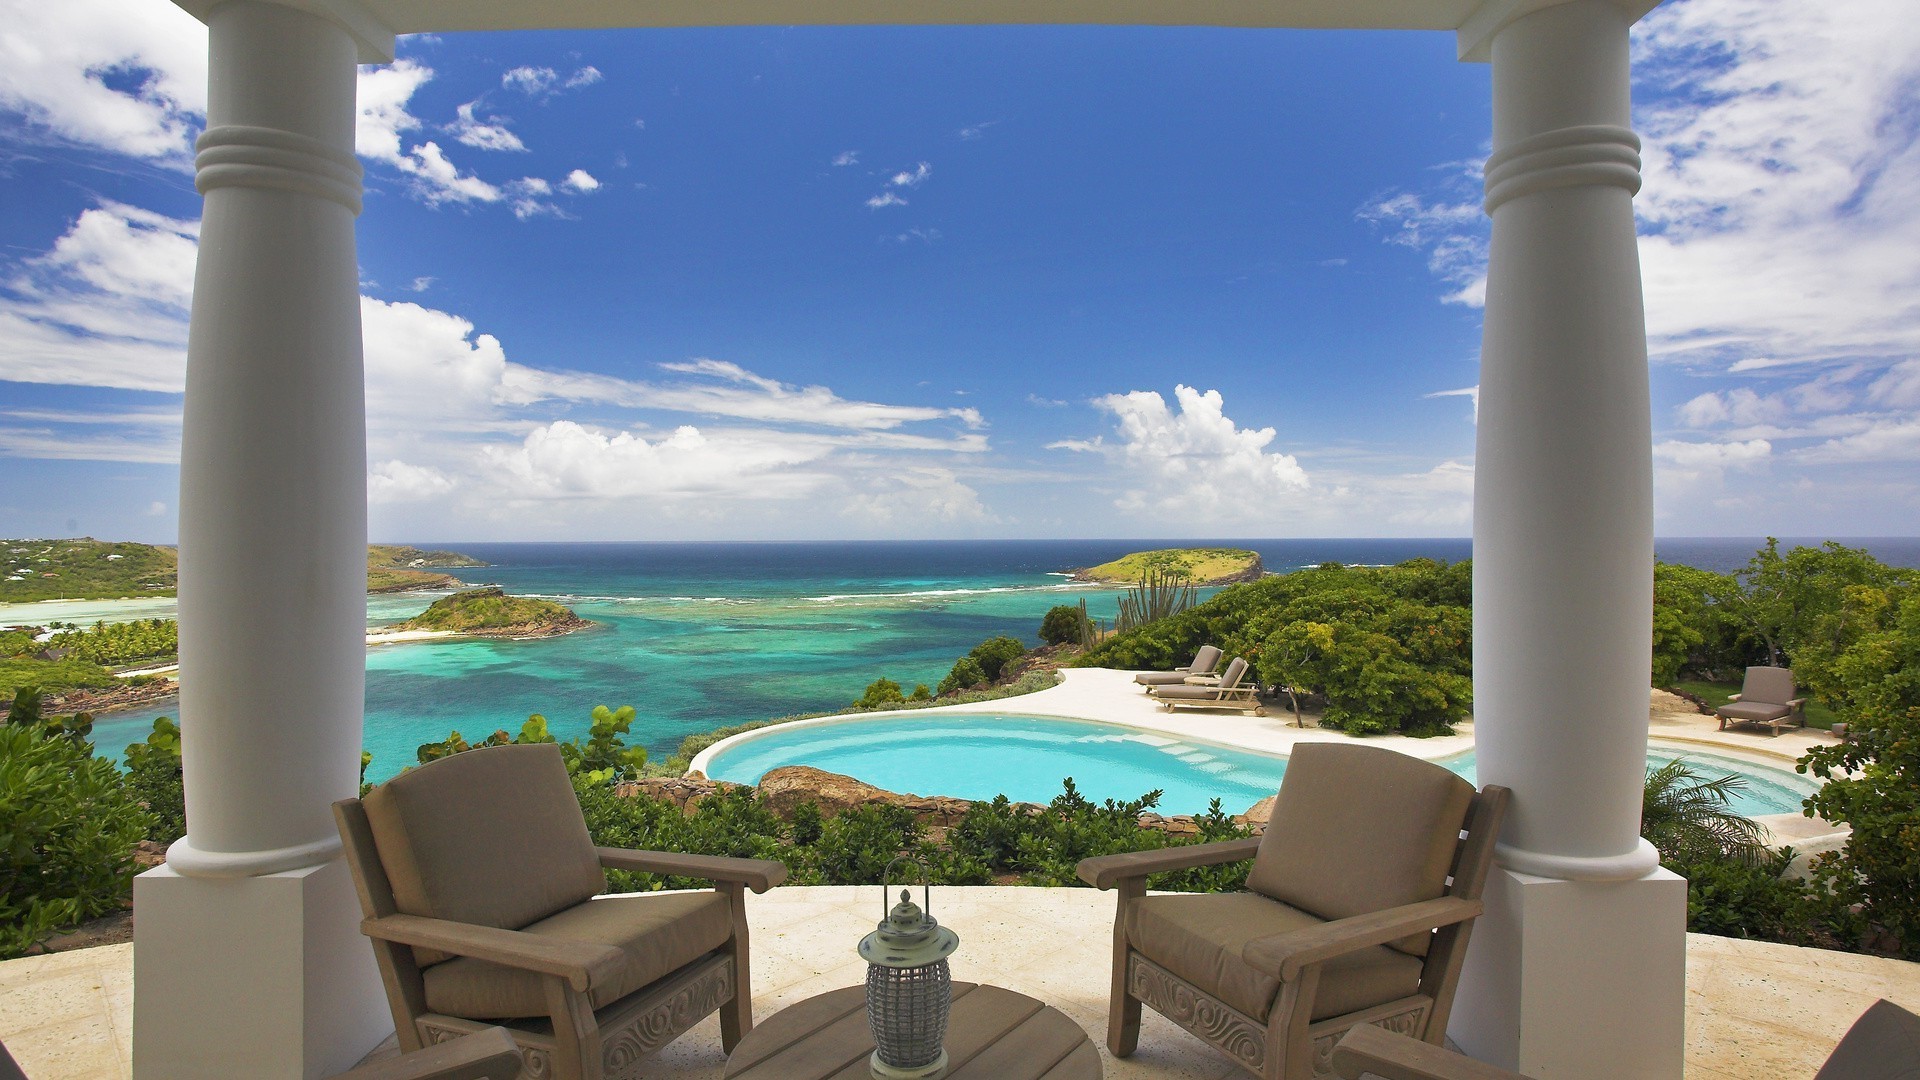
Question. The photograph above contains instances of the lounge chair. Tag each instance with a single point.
(480, 887)
(1359, 904)
(1884, 1044)
(1766, 697)
(1230, 691)
(1204, 662)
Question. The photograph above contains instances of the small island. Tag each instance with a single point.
(82, 568)
(490, 612)
(1200, 566)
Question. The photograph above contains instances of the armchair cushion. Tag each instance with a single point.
(1352, 832)
(1752, 710)
(1767, 686)
(658, 933)
(1199, 936)
(455, 848)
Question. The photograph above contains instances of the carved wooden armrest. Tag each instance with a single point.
(488, 1054)
(1367, 1050)
(1284, 955)
(756, 874)
(1107, 871)
(582, 963)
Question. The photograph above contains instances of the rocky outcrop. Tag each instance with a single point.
(126, 696)
(685, 792)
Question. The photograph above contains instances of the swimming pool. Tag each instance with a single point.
(978, 756)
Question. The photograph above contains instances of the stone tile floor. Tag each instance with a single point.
(1753, 1010)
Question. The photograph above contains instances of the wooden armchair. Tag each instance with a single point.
(489, 1054)
(1358, 908)
(480, 888)
(1884, 1044)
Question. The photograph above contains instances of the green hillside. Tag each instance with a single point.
(1202, 566)
(84, 569)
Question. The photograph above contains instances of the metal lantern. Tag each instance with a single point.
(909, 990)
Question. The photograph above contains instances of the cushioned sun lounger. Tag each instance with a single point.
(1203, 692)
(1204, 662)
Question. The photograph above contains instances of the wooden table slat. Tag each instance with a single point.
(814, 1045)
(1039, 1043)
(993, 1034)
(984, 1018)
(1082, 1063)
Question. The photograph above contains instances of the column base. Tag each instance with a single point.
(264, 977)
(1577, 980)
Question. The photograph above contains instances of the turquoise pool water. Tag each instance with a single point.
(1026, 758)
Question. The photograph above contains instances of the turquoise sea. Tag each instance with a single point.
(699, 635)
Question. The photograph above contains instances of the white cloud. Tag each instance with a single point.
(914, 495)
(917, 234)
(1195, 461)
(530, 80)
(885, 199)
(156, 509)
(846, 157)
(565, 459)
(585, 76)
(1899, 387)
(975, 131)
(488, 134)
(1450, 228)
(398, 482)
(107, 306)
(383, 94)
(582, 181)
(913, 177)
(421, 284)
(1891, 440)
(56, 60)
(1472, 392)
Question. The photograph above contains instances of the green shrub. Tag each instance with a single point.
(880, 694)
(965, 675)
(604, 757)
(1061, 624)
(1742, 899)
(154, 781)
(920, 693)
(994, 654)
(67, 830)
(1872, 785)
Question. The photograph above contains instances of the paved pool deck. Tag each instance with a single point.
(1753, 1009)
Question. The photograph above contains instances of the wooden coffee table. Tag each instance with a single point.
(994, 1034)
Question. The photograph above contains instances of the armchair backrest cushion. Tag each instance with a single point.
(1204, 661)
(1768, 685)
(1234, 673)
(1357, 829)
(490, 837)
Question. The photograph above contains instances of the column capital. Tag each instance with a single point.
(1474, 38)
(372, 37)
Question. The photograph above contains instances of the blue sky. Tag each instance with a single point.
(904, 282)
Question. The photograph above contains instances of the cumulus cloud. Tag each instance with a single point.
(884, 200)
(913, 177)
(398, 482)
(129, 78)
(106, 306)
(1195, 459)
(581, 181)
(488, 134)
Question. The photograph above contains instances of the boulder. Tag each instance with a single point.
(685, 792)
(784, 789)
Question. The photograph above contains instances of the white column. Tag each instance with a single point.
(248, 958)
(1578, 970)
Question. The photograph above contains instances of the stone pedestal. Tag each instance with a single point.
(263, 977)
(1578, 978)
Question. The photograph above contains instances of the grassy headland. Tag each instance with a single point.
(84, 569)
(396, 568)
(490, 612)
(1201, 566)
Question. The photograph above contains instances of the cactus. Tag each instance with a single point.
(1160, 593)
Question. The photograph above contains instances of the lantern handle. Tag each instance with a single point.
(886, 886)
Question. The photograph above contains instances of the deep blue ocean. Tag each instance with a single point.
(700, 635)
